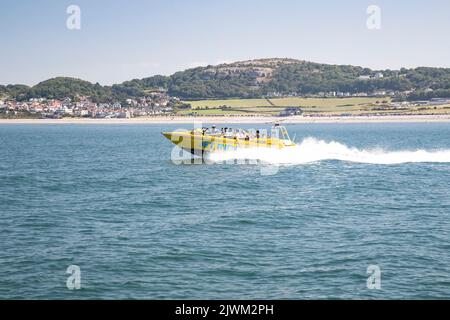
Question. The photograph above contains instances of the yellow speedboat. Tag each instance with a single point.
(204, 140)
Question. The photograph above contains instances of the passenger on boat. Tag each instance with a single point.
(228, 132)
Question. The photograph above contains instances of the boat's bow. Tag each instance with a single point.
(168, 135)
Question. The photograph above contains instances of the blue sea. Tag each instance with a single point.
(109, 200)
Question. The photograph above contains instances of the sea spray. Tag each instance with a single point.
(312, 150)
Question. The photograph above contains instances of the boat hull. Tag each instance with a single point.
(199, 144)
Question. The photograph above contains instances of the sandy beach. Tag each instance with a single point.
(235, 119)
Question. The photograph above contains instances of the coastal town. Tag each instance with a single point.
(155, 103)
(159, 103)
(271, 87)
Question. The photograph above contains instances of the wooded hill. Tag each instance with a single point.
(252, 79)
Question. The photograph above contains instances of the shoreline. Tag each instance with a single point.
(236, 119)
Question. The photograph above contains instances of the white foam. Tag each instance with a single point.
(312, 150)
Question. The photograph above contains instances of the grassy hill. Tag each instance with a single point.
(262, 77)
(252, 79)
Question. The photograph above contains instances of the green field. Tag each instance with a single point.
(282, 102)
(274, 106)
(229, 103)
(323, 102)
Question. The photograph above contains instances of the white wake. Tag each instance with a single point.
(312, 150)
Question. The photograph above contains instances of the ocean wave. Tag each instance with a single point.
(312, 150)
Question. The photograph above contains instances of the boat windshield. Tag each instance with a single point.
(281, 133)
(277, 131)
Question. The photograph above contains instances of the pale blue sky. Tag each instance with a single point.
(120, 40)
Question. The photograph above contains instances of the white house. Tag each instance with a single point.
(378, 75)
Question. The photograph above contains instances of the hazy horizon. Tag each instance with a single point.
(120, 41)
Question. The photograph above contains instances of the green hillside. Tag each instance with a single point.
(252, 79)
(259, 78)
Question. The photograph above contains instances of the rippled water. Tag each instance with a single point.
(108, 199)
